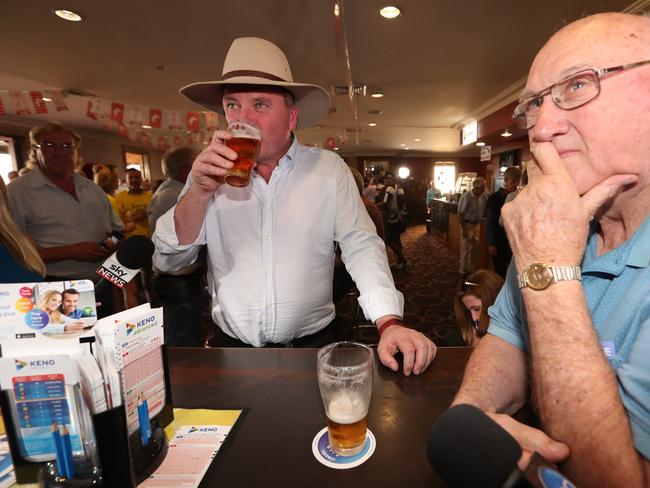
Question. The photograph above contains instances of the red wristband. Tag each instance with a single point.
(387, 324)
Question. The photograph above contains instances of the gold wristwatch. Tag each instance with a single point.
(539, 276)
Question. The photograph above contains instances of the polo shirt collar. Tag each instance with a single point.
(634, 252)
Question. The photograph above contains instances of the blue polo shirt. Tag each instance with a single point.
(617, 291)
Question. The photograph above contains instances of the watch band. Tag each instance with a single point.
(555, 274)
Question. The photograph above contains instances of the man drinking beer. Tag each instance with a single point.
(271, 242)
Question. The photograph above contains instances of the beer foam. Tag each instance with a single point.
(347, 408)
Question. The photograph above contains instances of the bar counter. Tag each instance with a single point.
(278, 389)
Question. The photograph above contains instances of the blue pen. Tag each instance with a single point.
(67, 452)
(143, 419)
(58, 445)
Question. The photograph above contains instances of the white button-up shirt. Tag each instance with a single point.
(271, 249)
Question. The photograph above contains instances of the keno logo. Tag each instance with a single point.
(42, 363)
(20, 364)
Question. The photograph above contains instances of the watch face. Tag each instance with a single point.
(539, 276)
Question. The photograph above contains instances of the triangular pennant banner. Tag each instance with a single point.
(38, 102)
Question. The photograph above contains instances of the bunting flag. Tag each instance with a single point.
(330, 143)
(38, 102)
(192, 121)
(133, 116)
(174, 121)
(19, 103)
(163, 143)
(155, 118)
(192, 128)
(211, 121)
(98, 111)
(117, 112)
(57, 100)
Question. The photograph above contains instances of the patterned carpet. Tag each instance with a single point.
(429, 287)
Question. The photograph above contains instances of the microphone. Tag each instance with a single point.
(131, 256)
(466, 448)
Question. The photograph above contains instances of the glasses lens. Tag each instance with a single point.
(576, 90)
(51, 146)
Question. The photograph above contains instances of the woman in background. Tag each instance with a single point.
(19, 260)
(470, 306)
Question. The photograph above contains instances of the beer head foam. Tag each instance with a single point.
(243, 129)
(347, 408)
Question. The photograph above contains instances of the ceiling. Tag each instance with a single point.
(440, 64)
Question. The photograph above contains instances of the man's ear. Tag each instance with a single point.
(293, 118)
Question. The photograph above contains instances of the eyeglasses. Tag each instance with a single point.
(571, 92)
(51, 146)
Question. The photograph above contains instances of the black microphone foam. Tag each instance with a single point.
(468, 449)
(135, 252)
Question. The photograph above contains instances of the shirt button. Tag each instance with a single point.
(268, 204)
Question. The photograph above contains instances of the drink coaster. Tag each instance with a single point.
(322, 452)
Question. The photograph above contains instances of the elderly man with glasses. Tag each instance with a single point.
(68, 217)
(571, 327)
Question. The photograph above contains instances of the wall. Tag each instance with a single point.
(421, 166)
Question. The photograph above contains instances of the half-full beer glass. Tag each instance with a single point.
(245, 142)
(345, 372)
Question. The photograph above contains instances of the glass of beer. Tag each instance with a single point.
(345, 372)
(245, 142)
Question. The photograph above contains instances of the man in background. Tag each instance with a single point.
(181, 292)
(471, 211)
(68, 217)
(497, 239)
(132, 205)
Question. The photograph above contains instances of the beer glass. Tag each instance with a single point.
(345, 372)
(245, 142)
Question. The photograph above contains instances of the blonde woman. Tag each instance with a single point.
(19, 260)
(57, 323)
(470, 307)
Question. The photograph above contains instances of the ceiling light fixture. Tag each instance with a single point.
(68, 15)
(505, 133)
(389, 12)
(46, 99)
(146, 126)
(480, 144)
(402, 145)
(417, 139)
(337, 10)
(372, 124)
(336, 148)
(377, 94)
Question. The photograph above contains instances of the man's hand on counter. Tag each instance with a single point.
(417, 350)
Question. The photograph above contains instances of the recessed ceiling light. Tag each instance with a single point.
(480, 144)
(46, 99)
(417, 139)
(402, 145)
(406, 148)
(377, 94)
(146, 126)
(372, 124)
(337, 10)
(505, 133)
(68, 15)
(389, 12)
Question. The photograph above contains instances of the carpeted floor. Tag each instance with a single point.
(429, 287)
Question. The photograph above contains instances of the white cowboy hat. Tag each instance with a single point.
(255, 61)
